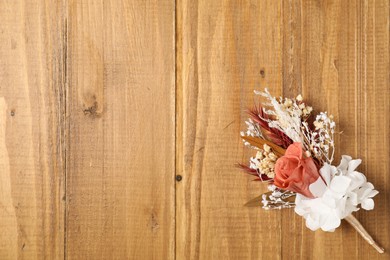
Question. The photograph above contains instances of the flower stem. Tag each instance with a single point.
(360, 229)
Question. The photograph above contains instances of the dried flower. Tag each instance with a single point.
(338, 191)
(295, 173)
(320, 140)
(324, 194)
(277, 198)
(258, 127)
(264, 162)
(288, 116)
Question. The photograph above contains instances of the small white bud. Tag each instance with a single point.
(267, 148)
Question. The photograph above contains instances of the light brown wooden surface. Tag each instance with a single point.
(343, 53)
(121, 118)
(220, 55)
(31, 131)
(333, 52)
(103, 102)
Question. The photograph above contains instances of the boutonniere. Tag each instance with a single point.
(294, 156)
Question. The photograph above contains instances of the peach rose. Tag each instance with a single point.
(295, 173)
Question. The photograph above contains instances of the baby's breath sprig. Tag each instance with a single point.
(321, 139)
(252, 129)
(277, 198)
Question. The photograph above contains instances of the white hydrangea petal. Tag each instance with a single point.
(317, 188)
(368, 204)
(357, 178)
(339, 192)
(364, 192)
(329, 201)
(298, 199)
(341, 204)
(353, 164)
(353, 198)
(332, 222)
(327, 172)
(369, 185)
(344, 162)
(373, 193)
(300, 211)
(340, 184)
(346, 208)
(312, 223)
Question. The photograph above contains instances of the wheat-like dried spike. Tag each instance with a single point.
(259, 143)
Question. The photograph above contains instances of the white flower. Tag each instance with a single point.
(338, 193)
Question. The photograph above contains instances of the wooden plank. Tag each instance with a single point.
(225, 49)
(112, 131)
(120, 179)
(311, 56)
(343, 53)
(336, 53)
(32, 85)
(373, 117)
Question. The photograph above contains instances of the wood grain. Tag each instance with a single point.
(333, 52)
(102, 103)
(342, 72)
(32, 87)
(225, 50)
(121, 105)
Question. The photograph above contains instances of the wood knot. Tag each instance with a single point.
(262, 73)
(92, 111)
(154, 224)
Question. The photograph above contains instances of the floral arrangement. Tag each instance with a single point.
(294, 155)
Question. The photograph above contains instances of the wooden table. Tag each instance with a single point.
(120, 120)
